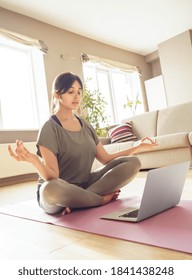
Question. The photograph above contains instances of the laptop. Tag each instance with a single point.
(163, 189)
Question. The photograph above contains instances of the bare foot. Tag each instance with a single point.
(67, 210)
(110, 196)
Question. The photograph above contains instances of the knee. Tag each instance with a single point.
(47, 188)
(131, 162)
(130, 165)
(49, 184)
(129, 169)
(48, 201)
(135, 164)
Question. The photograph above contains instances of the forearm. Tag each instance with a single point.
(144, 144)
(47, 169)
(127, 152)
(44, 171)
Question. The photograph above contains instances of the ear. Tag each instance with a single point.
(56, 95)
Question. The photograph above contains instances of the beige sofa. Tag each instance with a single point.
(171, 127)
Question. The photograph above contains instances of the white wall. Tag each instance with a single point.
(176, 63)
(10, 167)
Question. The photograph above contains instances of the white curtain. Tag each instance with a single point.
(110, 63)
(24, 40)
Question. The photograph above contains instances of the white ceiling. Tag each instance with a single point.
(133, 25)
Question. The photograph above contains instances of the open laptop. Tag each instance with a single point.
(163, 189)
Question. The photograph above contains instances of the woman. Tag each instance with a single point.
(66, 149)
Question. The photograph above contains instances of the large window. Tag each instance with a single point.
(23, 92)
(121, 90)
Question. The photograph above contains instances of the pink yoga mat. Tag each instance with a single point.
(171, 229)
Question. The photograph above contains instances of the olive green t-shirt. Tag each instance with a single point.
(75, 150)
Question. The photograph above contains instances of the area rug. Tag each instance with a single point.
(171, 229)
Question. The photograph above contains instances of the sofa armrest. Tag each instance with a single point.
(105, 140)
(190, 137)
(169, 141)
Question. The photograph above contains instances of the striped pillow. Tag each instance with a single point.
(122, 133)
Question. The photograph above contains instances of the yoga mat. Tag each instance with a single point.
(171, 229)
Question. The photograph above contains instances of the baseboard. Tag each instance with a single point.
(18, 179)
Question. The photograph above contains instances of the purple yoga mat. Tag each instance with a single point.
(171, 229)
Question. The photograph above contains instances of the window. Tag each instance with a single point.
(23, 93)
(121, 90)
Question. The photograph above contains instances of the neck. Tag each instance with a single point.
(65, 116)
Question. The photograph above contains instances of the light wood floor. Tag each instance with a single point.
(23, 239)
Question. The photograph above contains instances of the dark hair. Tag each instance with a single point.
(62, 83)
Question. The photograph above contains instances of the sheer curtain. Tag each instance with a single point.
(22, 63)
(19, 38)
(110, 63)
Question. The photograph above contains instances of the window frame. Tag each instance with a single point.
(110, 70)
(38, 94)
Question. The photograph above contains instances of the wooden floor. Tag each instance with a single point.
(23, 239)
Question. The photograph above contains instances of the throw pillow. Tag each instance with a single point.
(122, 133)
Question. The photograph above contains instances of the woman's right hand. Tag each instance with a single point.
(21, 153)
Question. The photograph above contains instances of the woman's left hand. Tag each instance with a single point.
(147, 143)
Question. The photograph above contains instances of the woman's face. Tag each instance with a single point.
(71, 99)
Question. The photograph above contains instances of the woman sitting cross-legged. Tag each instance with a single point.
(66, 149)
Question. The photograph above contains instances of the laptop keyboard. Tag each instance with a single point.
(132, 214)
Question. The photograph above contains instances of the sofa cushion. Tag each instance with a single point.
(175, 119)
(122, 133)
(156, 159)
(144, 124)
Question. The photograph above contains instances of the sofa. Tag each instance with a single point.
(172, 129)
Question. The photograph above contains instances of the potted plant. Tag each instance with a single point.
(93, 110)
(132, 104)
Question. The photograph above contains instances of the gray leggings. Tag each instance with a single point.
(56, 194)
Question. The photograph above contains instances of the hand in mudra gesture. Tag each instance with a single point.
(21, 153)
(147, 143)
